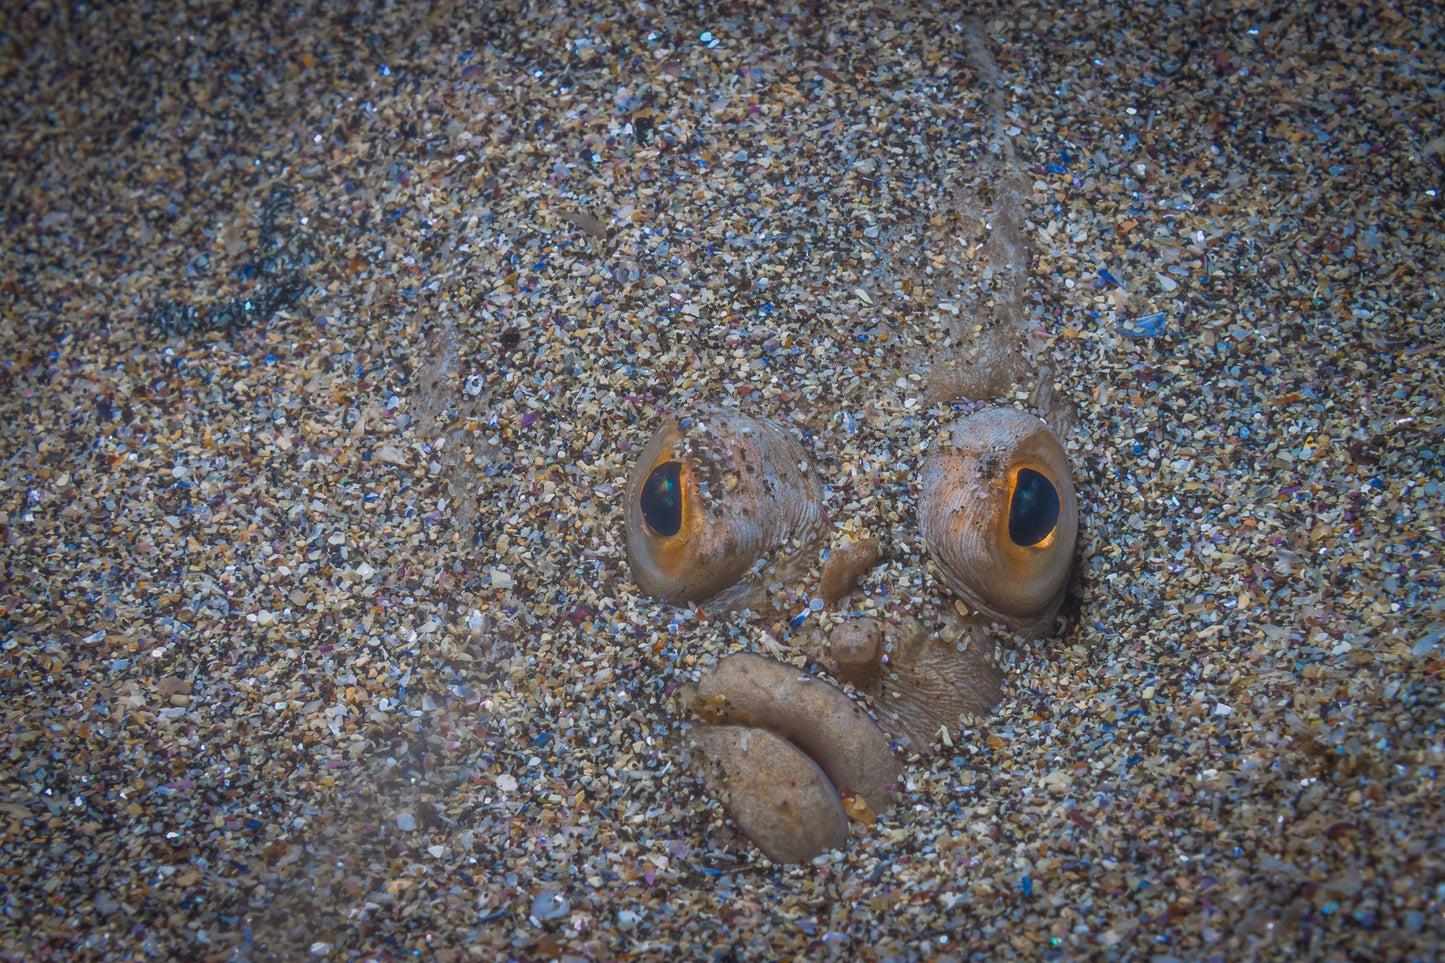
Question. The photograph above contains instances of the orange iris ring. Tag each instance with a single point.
(668, 550)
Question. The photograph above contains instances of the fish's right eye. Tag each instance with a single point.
(999, 516)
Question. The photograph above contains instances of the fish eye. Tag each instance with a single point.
(661, 499)
(1033, 511)
(999, 516)
(711, 496)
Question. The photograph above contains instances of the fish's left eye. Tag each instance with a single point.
(710, 496)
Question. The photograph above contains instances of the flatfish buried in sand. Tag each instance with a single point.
(998, 518)
(748, 515)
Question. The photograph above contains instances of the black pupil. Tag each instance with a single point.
(662, 499)
(1034, 511)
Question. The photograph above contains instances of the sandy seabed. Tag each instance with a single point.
(328, 335)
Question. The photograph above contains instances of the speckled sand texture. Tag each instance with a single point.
(328, 336)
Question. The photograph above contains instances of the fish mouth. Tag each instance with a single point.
(794, 759)
(791, 757)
